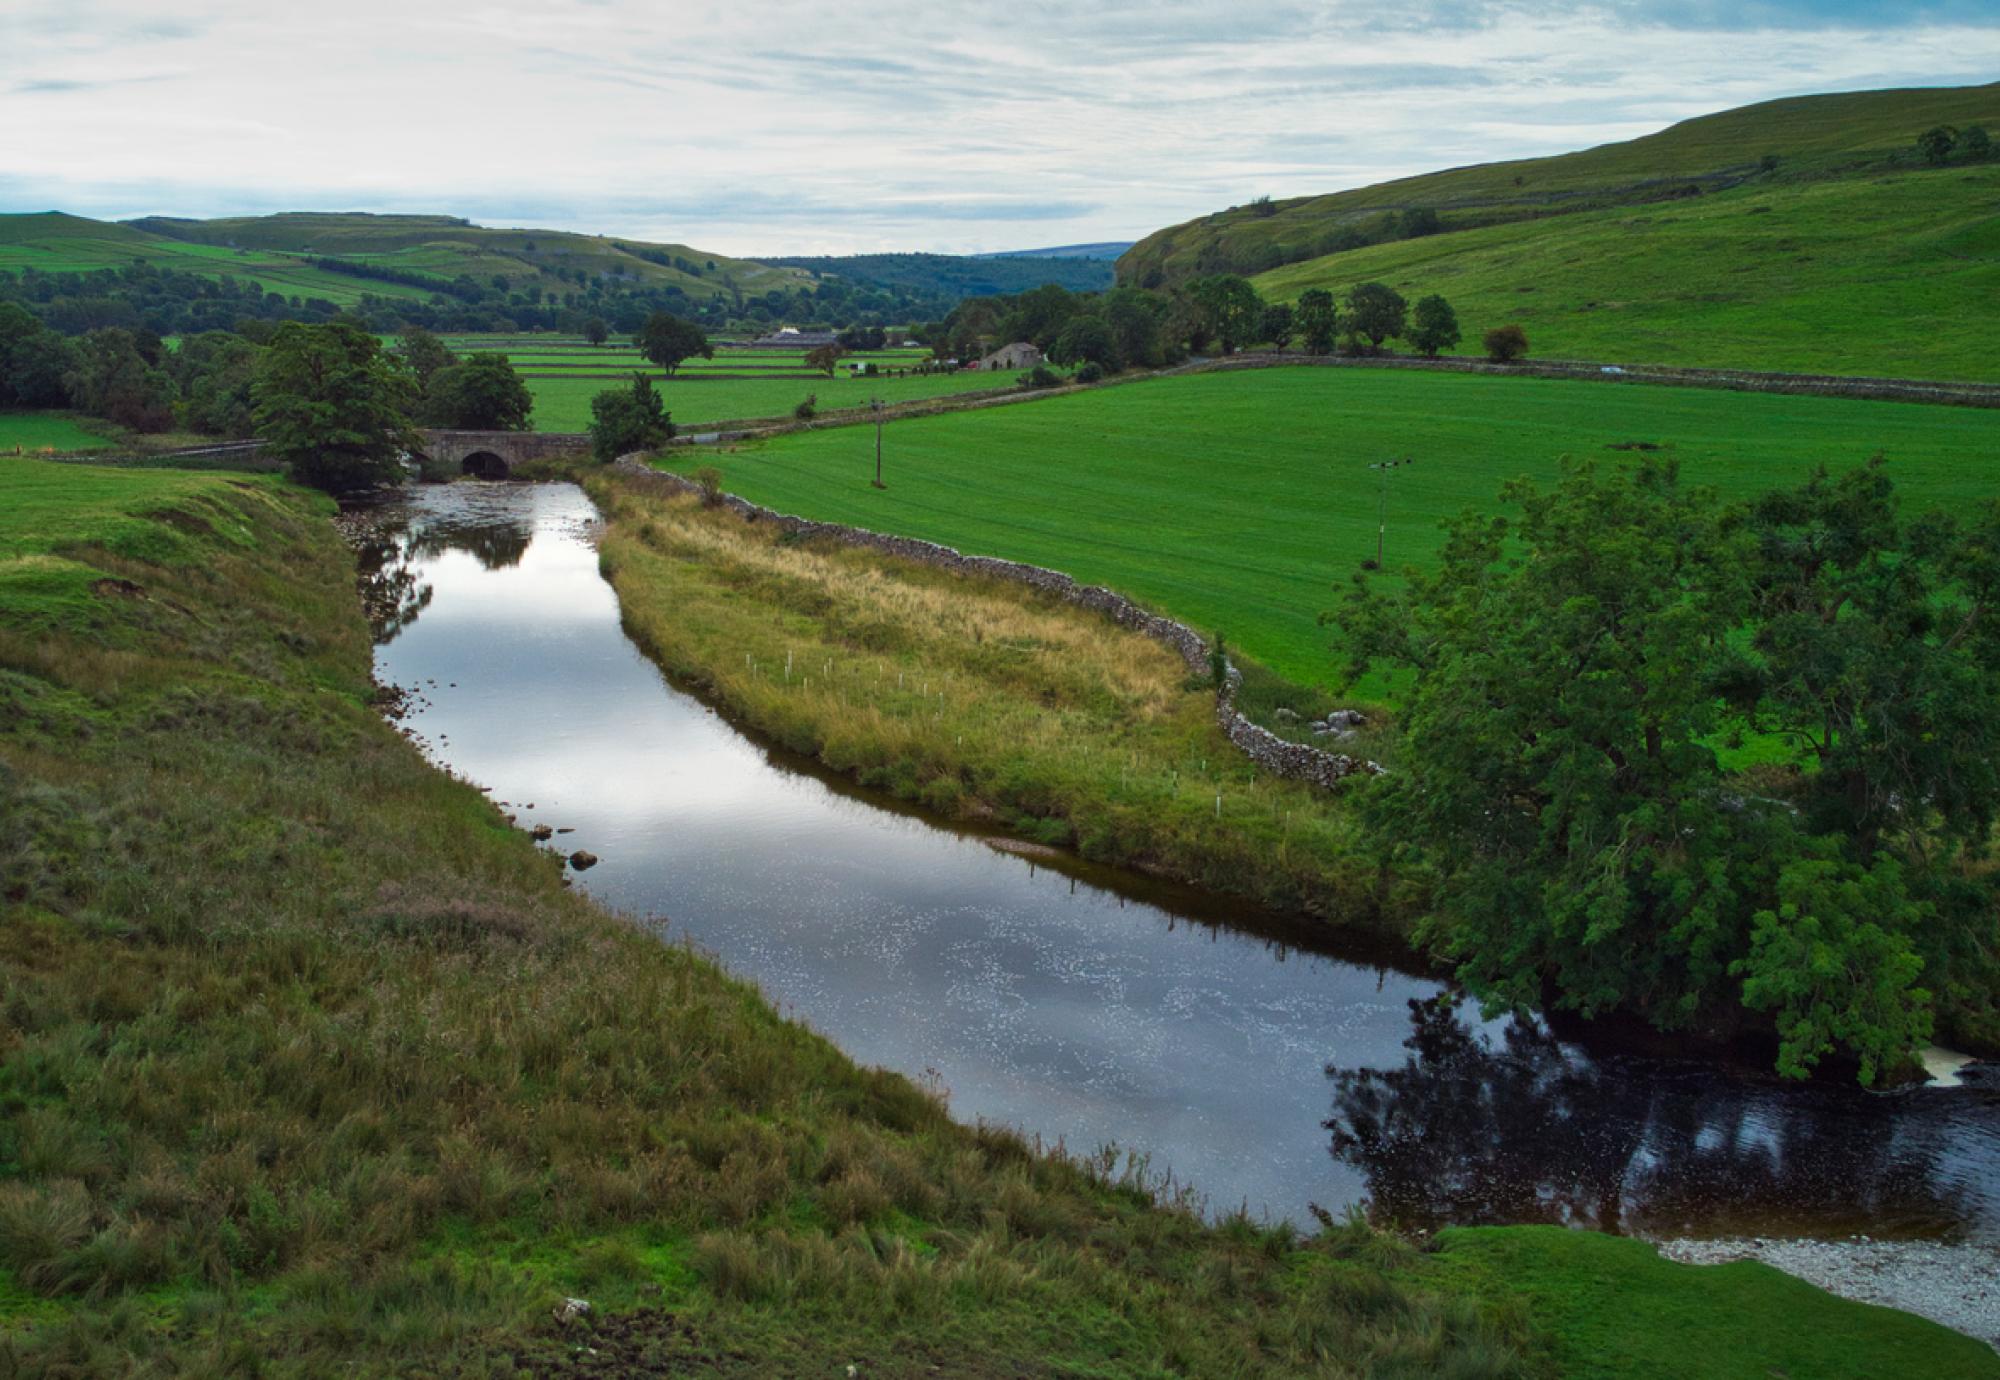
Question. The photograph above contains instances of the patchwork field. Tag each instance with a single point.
(1243, 501)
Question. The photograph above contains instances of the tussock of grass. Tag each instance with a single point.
(975, 698)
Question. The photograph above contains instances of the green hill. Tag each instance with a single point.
(419, 253)
(1774, 143)
(446, 246)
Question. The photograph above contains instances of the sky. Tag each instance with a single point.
(770, 128)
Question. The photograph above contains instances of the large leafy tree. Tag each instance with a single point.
(1375, 311)
(424, 355)
(33, 360)
(330, 403)
(217, 372)
(482, 394)
(624, 420)
(1317, 321)
(1572, 674)
(1229, 307)
(1434, 326)
(668, 341)
(112, 377)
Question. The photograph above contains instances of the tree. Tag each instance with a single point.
(625, 420)
(1976, 144)
(1375, 311)
(595, 331)
(1229, 307)
(1436, 326)
(330, 404)
(423, 354)
(1936, 143)
(1570, 679)
(111, 378)
(217, 373)
(1086, 337)
(1276, 324)
(1505, 344)
(1419, 221)
(33, 360)
(824, 358)
(666, 340)
(482, 394)
(1318, 321)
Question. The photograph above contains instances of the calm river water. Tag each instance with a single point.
(1260, 1067)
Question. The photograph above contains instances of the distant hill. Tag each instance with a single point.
(446, 246)
(1803, 138)
(935, 283)
(1104, 249)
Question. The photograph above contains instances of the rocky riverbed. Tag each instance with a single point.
(1954, 1284)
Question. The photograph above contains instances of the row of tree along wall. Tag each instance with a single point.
(1281, 757)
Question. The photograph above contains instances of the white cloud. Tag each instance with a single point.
(775, 127)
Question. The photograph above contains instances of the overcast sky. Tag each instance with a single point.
(834, 127)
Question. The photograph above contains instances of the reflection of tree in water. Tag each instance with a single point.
(393, 545)
(1472, 1130)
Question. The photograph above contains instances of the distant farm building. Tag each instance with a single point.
(792, 338)
(1019, 355)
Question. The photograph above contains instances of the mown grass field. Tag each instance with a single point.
(1864, 276)
(29, 432)
(563, 404)
(1242, 502)
(309, 1065)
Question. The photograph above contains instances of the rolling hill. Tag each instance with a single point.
(419, 254)
(1772, 144)
(1803, 235)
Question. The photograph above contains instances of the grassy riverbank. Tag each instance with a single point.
(309, 1065)
(979, 699)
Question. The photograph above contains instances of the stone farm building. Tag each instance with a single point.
(1019, 355)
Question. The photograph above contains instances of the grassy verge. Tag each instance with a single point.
(976, 698)
(31, 433)
(308, 1065)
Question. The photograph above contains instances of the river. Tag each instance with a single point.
(1246, 1059)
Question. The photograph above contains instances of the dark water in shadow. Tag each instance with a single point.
(1248, 1057)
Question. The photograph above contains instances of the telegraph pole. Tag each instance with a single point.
(1382, 501)
(876, 403)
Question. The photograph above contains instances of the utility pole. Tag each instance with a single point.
(1382, 501)
(876, 403)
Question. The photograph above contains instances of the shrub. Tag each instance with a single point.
(1505, 344)
(1041, 376)
(710, 480)
(808, 409)
(1091, 372)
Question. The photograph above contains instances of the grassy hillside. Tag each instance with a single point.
(309, 1065)
(448, 246)
(54, 242)
(1870, 276)
(1242, 501)
(1811, 138)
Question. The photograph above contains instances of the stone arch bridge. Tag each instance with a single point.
(495, 454)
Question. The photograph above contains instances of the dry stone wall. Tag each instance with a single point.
(1279, 756)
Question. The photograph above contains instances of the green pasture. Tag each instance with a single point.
(563, 404)
(29, 432)
(1875, 277)
(1243, 501)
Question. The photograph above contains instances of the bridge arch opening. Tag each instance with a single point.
(483, 464)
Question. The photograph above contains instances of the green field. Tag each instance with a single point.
(1842, 277)
(29, 432)
(1243, 501)
(563, 404)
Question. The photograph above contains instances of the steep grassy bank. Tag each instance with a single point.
(310, 1066)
